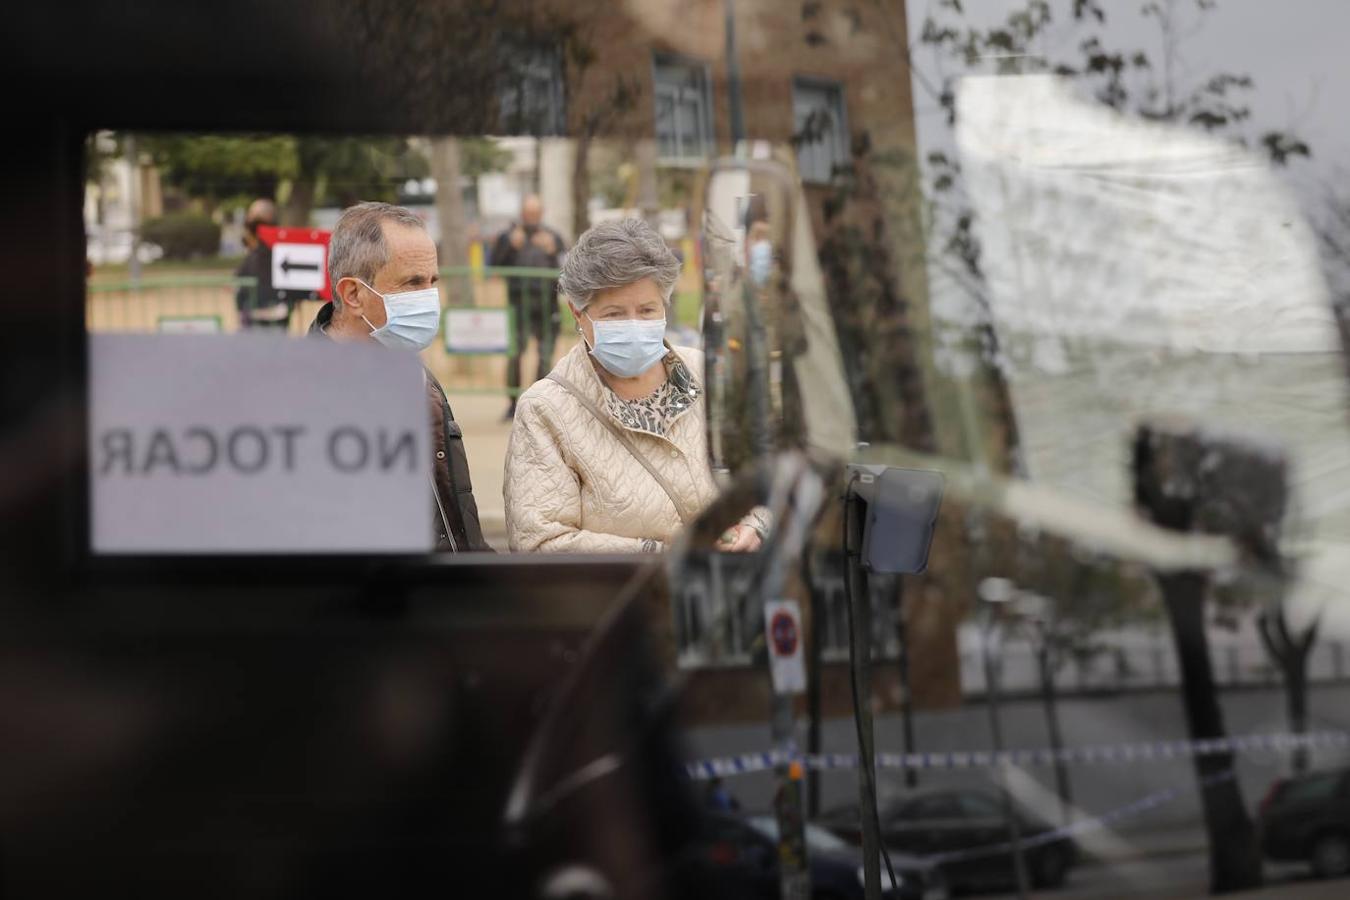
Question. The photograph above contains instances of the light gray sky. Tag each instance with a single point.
(1295, 50)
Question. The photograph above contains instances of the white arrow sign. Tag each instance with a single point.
(298, 267)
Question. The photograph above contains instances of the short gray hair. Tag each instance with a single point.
(615, 254)
(357, 248)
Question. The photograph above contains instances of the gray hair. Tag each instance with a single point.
(357, 248)
(614, 254)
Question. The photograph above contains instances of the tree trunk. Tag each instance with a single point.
(1290, 654)
(1234, 855)
(300, 203)
(1296, 692)
(454, 244)
(581, 186)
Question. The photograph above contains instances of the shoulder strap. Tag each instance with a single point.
(685, 515)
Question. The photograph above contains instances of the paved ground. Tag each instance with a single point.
(485, 435)
(1178, 876)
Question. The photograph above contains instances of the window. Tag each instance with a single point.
(1313, 788)
(683, 109)
(980, 806)
(531, 94)
(937, 806)
(820, 129)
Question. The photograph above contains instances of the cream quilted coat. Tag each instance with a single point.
(570, 485)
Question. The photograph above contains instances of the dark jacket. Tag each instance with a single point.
(257, 264)
(455, 517)
(528, 256)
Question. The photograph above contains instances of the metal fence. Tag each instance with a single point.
(202, 303)
(715, 626)
(495, 319)
(1142, 663)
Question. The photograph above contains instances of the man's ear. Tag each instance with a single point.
(347, 293)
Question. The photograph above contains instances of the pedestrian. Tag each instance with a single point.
(382, 266)
(529, 243)
(608, 453)
(261, 306)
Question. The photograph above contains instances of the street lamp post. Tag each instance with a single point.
(996, 592)
(1045, 668)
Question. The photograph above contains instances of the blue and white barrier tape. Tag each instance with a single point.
(1155, 751)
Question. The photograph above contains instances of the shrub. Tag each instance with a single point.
(183, 235)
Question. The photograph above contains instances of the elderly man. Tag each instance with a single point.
(383, 273)
(534, 303)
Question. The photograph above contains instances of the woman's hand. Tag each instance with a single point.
(739, 539)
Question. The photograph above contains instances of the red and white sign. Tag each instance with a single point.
(299, 258)
(783, 628)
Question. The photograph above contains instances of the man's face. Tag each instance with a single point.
(412, 266)
(531, 211)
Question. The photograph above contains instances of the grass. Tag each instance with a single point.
(206, 265)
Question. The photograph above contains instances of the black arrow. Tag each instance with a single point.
(287, 265)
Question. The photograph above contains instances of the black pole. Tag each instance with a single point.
(906, 701)
(1052, 726)
(991, 687)
(815, 649)
(860, 644)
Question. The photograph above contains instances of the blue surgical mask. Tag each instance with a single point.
(411, 318)
(629, 347)
(761, 262)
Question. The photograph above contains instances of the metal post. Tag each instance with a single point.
(860, 621)
(134, 210)
(1052, 725)
(991, 687)
(815, 650)
(906, 701)
(794, 875)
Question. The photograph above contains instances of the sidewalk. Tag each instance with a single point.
(485, 436)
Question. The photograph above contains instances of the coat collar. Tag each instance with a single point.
(576, 367)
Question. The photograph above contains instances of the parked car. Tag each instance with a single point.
(931, 822)
(1308, 818)
(739, 856)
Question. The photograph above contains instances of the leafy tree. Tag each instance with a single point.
(231, 170)
(222, 170)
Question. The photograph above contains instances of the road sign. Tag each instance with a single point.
(298, 267)
(299, 258)
(477, 331)
(230, 444)
(783, 625)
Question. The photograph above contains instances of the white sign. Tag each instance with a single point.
(477, 331)
(189, 324)
(298, 267)
(246, 444)
(783, 633)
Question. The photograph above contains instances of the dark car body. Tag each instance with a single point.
(737, 857)
(1308, 818)
(933, 823)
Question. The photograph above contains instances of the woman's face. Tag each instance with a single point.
(639, 300)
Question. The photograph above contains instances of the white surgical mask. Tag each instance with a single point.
(629, 347)
(761, 262)
(411, 318)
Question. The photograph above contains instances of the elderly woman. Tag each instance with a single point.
(608, 453)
